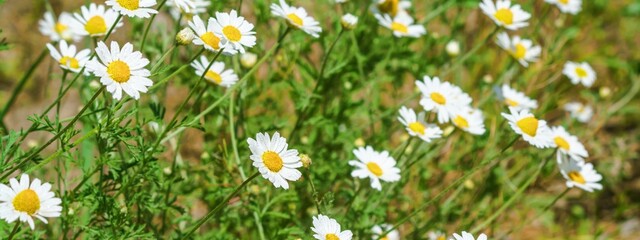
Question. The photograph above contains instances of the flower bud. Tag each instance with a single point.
(453, 48)
(349, 21)
(605, 92)
(359, 142)
(185, 36)
(248, 59)
(306, 160)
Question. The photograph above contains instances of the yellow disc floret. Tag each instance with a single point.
(27, 201)
(272, 161)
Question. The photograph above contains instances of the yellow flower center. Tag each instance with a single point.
(384, 238)
(561, 143)
(129, 4)
(417, 127)
(528, 125)
(565, 2)
(213, 76)
(442, 238)
(293, 18)
(581, 72)
(511, 102)
(69, 62)
(504, 15)
(60, 28)
(211, 39)
(399, 27)
(232, 33)
(119, 71)
(374, 168)
(576, 177)
(331, 236)
(272, 161)
(520, 51)
(95, 25)
(27, 201)
(438, 98)
(389, 7)
(461, 122)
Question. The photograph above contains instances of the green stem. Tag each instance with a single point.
(466, 56)
(529, 220)
(15, 230)
(111, 29)
(146, 30)
(160, 61)
(64, 77)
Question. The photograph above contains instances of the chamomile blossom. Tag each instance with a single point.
(505, 15)
(378, 230)
(521, 49)
(374, 165)
(25, 200)
(390, 7)
(516, 100)
(579, 111)
(133, 8)
(470, 120)
(534, 131)
(217, 74)
(237, 32)
(416, 125)
(467, 236)
(68, 57)
(207, 36)
(58, 30)
(326, 228)
(442, 97)
(567, 6)
(121, 69)
(579, 173)
(297, 17)
(186, 9)
(274, 160)
(568, 144)
(579, 73)
(401, 25)
(95, 21)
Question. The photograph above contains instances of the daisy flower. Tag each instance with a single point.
(567, 6)
(579, 73)
(579, 173)
(521, 49)
(24, 200)
(121, 69)
(416, 125)
(380, 229)
(186, 9)
(95, 20)
(517, 100)
(568, 144)
(207, 37)
(579, 111)
(442, 97)
(297, 18)
(534, 131)
(68, 58)
(390, 7)
(326, 228)
(436, 235)
(468, 236)
(401, 25)
(133, 8)
(216, 74)
(274, 161)
(60, 30)
(235, 30)
(375, 165)
(505, 15)
(470, 120)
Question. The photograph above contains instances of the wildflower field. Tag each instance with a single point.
(328, 119)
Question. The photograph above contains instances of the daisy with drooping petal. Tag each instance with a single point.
(416, 125)
(297, 18)
(60, 30)
(470, 120)
(186, 9)
(521, 49)
(505, 15)
(568, 144)
(121, 70)
(133, 8)
(68, 58)
(579, 73)
(567, 6)
(216, 74)
(374, 165)
(390, 7)
(517, 100)
(274, 160)
(579, 111)
(207, 37)
(25, 200)
(95, 20)
(326, 228)
(235, 30)
(579, 173)
(380, 229)
(468, 236)
(442, 97)
(401, 25)
(534, 131)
